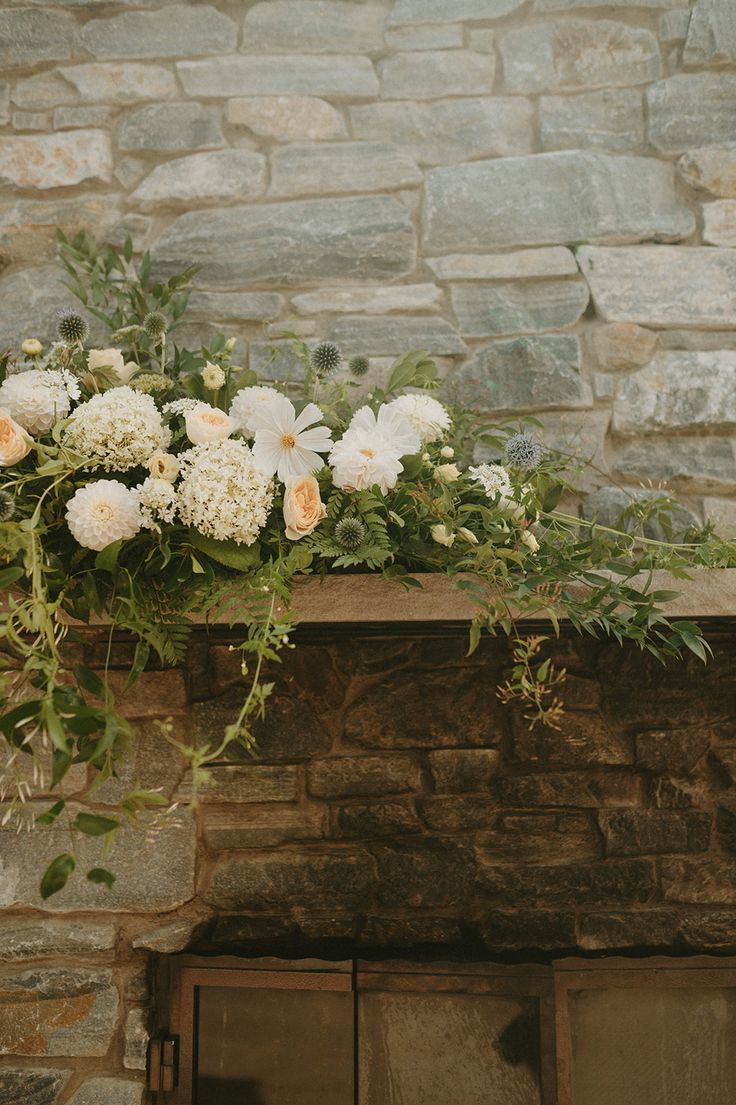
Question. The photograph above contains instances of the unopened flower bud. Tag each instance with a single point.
(443, 535)
(447, 451)
(467, 535)
(32, 347)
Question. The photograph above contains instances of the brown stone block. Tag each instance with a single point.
(646, 832)
(672, 751)
(726, 823)
(702, 880)
(289, 881)
(461, 814)
(57, 1011)
(458, 770)
(394, 773)
(433, 873)
(608, 882)
(709, 929)
(290, 730)
(37, 1086)
(386, 932)
(540, 838)
(364, 820)
(648, 928)
(516, 929)
(156, 694)
(723, 761)
(682, 793)
(574, 789)
(582, 740)
(256, 827)
(251, 783)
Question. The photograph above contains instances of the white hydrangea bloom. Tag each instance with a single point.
(159, 502)
(223, 493)
(363, 458)
(39, 398)
(247, 402)
(181, 406)
(389, 424)
(426, 415)
(117, 430)
(103, 512)
(494, 477)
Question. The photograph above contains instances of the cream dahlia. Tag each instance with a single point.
(363, 458)
(426, 416)
(39, 398)
(103, 512)
(117, 430)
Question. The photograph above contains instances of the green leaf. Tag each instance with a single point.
(94, 824)
(56, 875)
(89, 680)
(10, 576)
(101, 875)
(243, 558)
(107, 560)
(50, 816)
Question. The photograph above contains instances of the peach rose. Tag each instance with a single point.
(15, 443)
(205, 423)
(303, 508)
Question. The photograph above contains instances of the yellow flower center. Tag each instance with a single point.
(103, 512)
(288, 441)
(370, 453)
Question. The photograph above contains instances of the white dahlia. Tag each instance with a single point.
(103, 512)
(158, 501)
(389, 424)
(223, 493)
(426, 416)
(247, 402)
(363, 458)
(117, 430)
(39, 398)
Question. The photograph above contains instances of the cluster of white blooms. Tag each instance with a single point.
(494, 478)
(181, 406)
(103, 512)
(39, 398)
(247, 403)
(426, 416)
(223, 493)
(117, 430)
(158, 501)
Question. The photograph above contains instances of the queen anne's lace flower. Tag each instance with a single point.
(117, 430)
(390, 424)
(248, 402)
(426, 416)
(494, 477)
(103, 512)
(39, 398)
(158, 501)
(363, 458)
(223, 493)
(181, 406)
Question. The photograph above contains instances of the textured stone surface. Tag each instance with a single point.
(286, 118)
(48, 161)
(711, 37)
(407, 12)
(170, 32)
(684, 463)
(36, 1086)
(370, 301)
(262, 827)
(691, 110)
(608, 504)
(720, 222)
(623, 345)
(667, 394)
(430, 74)
(629, 833)
(252, 783)
(648, 928)
(659, 286)
(521, 373)
(382, 336)
(582, 740)
(340, 167)
(57, 1011)
(108, 1091)
(29, 35)
(277, 76)
(24, 939)
(292, 881)
(463, 769)
(578, 53)
(28, 227)
(363, 775)
(136, 1040)
(570, 788)
(700, 879)
(486, 310)
(235, 306)
(170, 128)
(203, 178)
(714, 170)
(313, 26)
(612, 119)
(551, 198)
(554, 261)
(121, 82)
(613, 882)
(432, 36)
(288, 243)
(29, 301)
(446, 131)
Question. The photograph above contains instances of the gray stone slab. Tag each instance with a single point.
(711, 169)
(382, 336)
(57, 1011)
(203, 178)
(121, 82)
(287, 118)
(31, 35)
(692, 463)
(23, 938)
(108, 1091)
(678, 391)
(169, 128)
(333, 75)
(32, 1086)
(691, 110)
(308, 169)
(314, 26)
(431, 74)
(517, 265)
(235, 306)
(611, 119)
(711, 38)
(407, 12)
(487, 310)
(170, 32)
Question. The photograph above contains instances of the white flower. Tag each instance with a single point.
(447, 473)
(530, 540)
(39, 398)
(389, 424)
(443, 535)
(112, 364)
(284, 444)
(247, 402)
(32, 347)
(223, 493)
(181, 406)
(158, 501)
(212, 376)
(164, 466)
(363, 458)
(447, 451)
(205, 423)
(494, 477)
(103, 512)
(117, 430)
(426, 416)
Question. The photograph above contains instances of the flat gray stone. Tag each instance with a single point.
(33, 1086)
(172, 31)
(30, 299)
(487, 310)
(275, 360)
(447, 131)
(203, 178)
(169, 128)
(287, 118)
(673, 26)
(713, 170)
(575, 5)
(693, 464)
(336, 75)
(154, 869)
(308, 242)
(552, 198)
(578, 53)
(314, 26)
(55, 160)
(678, 391)
(108, 1091)
(711, 38)
(611, 119)
(27, 227)
(406, 12)
(722, 512)
(521, 374)
(308, 169)
(663, 286)
(57, 1011)
(369, 301)
(719, 222)
(235, 306)
(691, 110)
(431, 74)
(42, 91)
(89, 115)
(136, 1040)
(553, 261)
(608, 504)
(28, 939)
(375, 337)
(30, 35)
(121, 82)
(432, 36)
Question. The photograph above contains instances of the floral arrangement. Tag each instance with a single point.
(144, 483)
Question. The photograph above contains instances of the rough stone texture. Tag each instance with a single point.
(203, 178)
(36, 1086)
(293, 243)
(136, 1040)
(50, 161)
(170, 32)
(121, 83)
(487, 310)
(408, 12)
(313, 26)
(278, 76)
(286, 118)
(578, 53)
(169, 128)
(369, 301)
(380, 336)
(712, 170)
(687, 464)
(430, 74)
(720, 223)
(29, 35)
(364, 775)
(612, 119)
(32, 940)
(711, 36)
(524, 263)
(665, 395)
(623, 345)
(341, 167)
(691, 110)
(57, 1011)
(108, 1091)
(551, 198)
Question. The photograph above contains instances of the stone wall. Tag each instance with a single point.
(540, 192)
(393, 807)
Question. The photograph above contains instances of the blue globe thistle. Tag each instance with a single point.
(7, 506)
(155, 324)
(359, 366)
(72, 327)
(522, 451)
(350, 533)
(326, 358)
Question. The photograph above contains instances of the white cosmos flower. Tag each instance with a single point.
(247, 402)
(103, 512)
(363, 458)
(389, 424)
(285, 445)
(425, 415)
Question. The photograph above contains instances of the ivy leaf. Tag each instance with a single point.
(243, 558)
(56, 875)
(94, 824)
(101, 875)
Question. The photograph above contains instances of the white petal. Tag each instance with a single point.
(267, 457)
(318, 439)
(310, 414)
